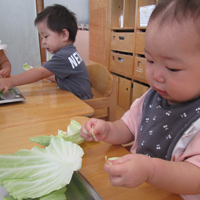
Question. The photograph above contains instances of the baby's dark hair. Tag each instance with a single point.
(59, 17)
(168, 11)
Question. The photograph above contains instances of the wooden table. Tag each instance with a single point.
(43, 101)
(15, 138)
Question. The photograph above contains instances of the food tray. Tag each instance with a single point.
(83, 189)
(78, 189)
(13, 95)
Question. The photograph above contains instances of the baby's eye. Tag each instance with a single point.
(150, 61)
(45, 36)
(173, 70)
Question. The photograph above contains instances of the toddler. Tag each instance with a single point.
(5, 66)
(165, 121)
(57, 27)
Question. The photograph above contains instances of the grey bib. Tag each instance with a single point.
(163, 124)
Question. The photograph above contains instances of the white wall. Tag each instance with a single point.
(17, 29)
(79, 7)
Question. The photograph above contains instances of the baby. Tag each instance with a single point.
(165, 121)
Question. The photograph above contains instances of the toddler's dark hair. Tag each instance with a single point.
(59, 17)
(179, 10)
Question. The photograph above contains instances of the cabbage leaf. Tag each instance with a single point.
(58, 194)
(72, 134)
(38, 172)
(26, 67)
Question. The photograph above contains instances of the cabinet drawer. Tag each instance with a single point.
(139, 67)
(124, 98)
(122, 41)
(121, 64)
(138, 90)
(140, 42)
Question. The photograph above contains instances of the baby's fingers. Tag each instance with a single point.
(85, 134)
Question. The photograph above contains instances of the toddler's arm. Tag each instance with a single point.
(5, 68)
(112, 132)
(30, 76)
(134, 169)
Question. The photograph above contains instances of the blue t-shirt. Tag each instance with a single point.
(70, 72)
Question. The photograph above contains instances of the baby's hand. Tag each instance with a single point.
(5, 73)
(130, 170)
(94, 130)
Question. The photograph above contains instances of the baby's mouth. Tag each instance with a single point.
(162, 93)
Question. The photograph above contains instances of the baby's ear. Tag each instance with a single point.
(65, 33)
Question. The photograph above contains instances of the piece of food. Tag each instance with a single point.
(113, 158)
(72, 134)
(1, 92)
(38, 172)
(94, 134)
(26, 67)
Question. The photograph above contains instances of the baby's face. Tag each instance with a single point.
(173, 60)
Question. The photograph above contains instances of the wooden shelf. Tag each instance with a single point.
(122, 45)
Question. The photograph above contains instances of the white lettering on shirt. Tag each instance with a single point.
(75, 59)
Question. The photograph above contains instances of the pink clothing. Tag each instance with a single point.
(187, 148)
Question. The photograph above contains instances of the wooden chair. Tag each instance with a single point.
(104, 92)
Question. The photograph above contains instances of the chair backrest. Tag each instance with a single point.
(104, 92)
(100, 78)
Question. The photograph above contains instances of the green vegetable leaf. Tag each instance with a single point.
(42, 140)
(73, 128)
(1, 92)
(27, 67)
(37, 172)
(9, 198)
(72, 134)
(59, 194)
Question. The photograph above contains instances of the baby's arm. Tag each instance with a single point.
(5, 68)
(30, 76)
(133, 169)
(112, 132)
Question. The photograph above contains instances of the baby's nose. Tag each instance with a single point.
(158, 75)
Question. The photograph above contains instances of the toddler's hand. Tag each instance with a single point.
(6, 84)
(130, 170)
(96, 127)
(5, 73)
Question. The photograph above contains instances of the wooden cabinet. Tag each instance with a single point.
(122, 41)
(98, 31)
(117, 40)
(121, 64)
(143, 8)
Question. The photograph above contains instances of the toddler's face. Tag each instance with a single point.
(51, 41)
(173, 60)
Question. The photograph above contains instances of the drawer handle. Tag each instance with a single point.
(121, 37)
(139, 65)
(120, 59)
